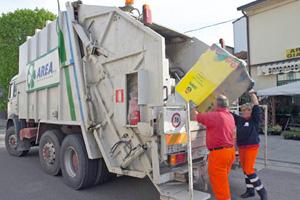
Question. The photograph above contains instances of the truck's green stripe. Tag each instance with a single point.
(70, 94)
(63, 58)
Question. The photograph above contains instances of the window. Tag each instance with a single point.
(290, 77)
(9, 91)
(12, 90)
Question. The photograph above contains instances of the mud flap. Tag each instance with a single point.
(19, 124)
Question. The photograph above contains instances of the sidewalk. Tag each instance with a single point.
(283, 155)
(279, 184)
(281, 150)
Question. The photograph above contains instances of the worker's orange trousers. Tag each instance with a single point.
(247, 157)
(219, 166)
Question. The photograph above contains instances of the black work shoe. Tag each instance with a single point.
(249, 193)
(263, 194)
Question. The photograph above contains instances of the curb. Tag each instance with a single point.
(2, 142)
(279, 166)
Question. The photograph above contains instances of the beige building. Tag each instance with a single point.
(273, 41)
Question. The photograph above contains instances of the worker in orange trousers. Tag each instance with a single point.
(220, 128)
(248, 144)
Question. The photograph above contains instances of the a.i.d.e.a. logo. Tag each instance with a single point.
(31, 77)
(43, 72)
(34, 75)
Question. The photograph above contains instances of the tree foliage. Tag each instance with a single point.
(14, 28)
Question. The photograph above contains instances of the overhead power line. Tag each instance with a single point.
(212, 25)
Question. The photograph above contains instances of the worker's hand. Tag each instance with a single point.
(254, 99)
(251, 85)
(252, 91)
(235, 102)
(194, 114)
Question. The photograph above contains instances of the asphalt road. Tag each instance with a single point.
(23, 179)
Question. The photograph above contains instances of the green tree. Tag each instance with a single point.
(14, 28)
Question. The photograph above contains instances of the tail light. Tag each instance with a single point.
(147, 14)
(177, 159)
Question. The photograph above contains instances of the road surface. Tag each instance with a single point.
(23, 179)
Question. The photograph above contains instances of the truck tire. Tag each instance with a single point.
(77, 169)
(103, 174)
(49, 151)
(11, 143)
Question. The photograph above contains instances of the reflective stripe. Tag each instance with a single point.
(254, 180)
(172, 139)
(249, 186)
(259, 187)
(74, 69)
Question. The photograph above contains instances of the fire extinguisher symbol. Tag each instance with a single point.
(176, 120)
(119, 96)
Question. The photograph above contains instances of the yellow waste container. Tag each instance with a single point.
(216, 72)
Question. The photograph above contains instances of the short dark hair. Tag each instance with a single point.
(222, 101)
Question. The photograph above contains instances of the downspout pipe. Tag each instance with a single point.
(248, 42)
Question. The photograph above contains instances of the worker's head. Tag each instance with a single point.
(246, 110)
(221, 102)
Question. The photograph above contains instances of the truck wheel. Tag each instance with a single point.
(103, 174)
(49, 151)
(77, 169)
(11, 143)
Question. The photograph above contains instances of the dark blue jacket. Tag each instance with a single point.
(248, 130)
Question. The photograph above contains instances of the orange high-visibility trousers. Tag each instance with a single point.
(219, 166)
(247, 157)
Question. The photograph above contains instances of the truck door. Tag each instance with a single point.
(12, 99)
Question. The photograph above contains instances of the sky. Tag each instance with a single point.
(180, 15)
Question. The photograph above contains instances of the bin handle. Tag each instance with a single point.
(167, 93)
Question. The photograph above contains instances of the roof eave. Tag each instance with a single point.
(254, 3)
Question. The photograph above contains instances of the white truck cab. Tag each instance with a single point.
(12, 106)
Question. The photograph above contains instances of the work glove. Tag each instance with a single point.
(251, 85)
(194, 114)
(252, 91)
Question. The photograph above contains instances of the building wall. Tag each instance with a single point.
(263, 82)
(240, 35)
(274, 30)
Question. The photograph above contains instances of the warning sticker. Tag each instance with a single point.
(120, 96)
(176, 120)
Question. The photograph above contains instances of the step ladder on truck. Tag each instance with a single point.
(95, 91)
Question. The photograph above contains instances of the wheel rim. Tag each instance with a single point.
(12, 141)
(71, 161)
(49, 153)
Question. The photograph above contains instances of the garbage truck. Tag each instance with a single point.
(95, 91)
